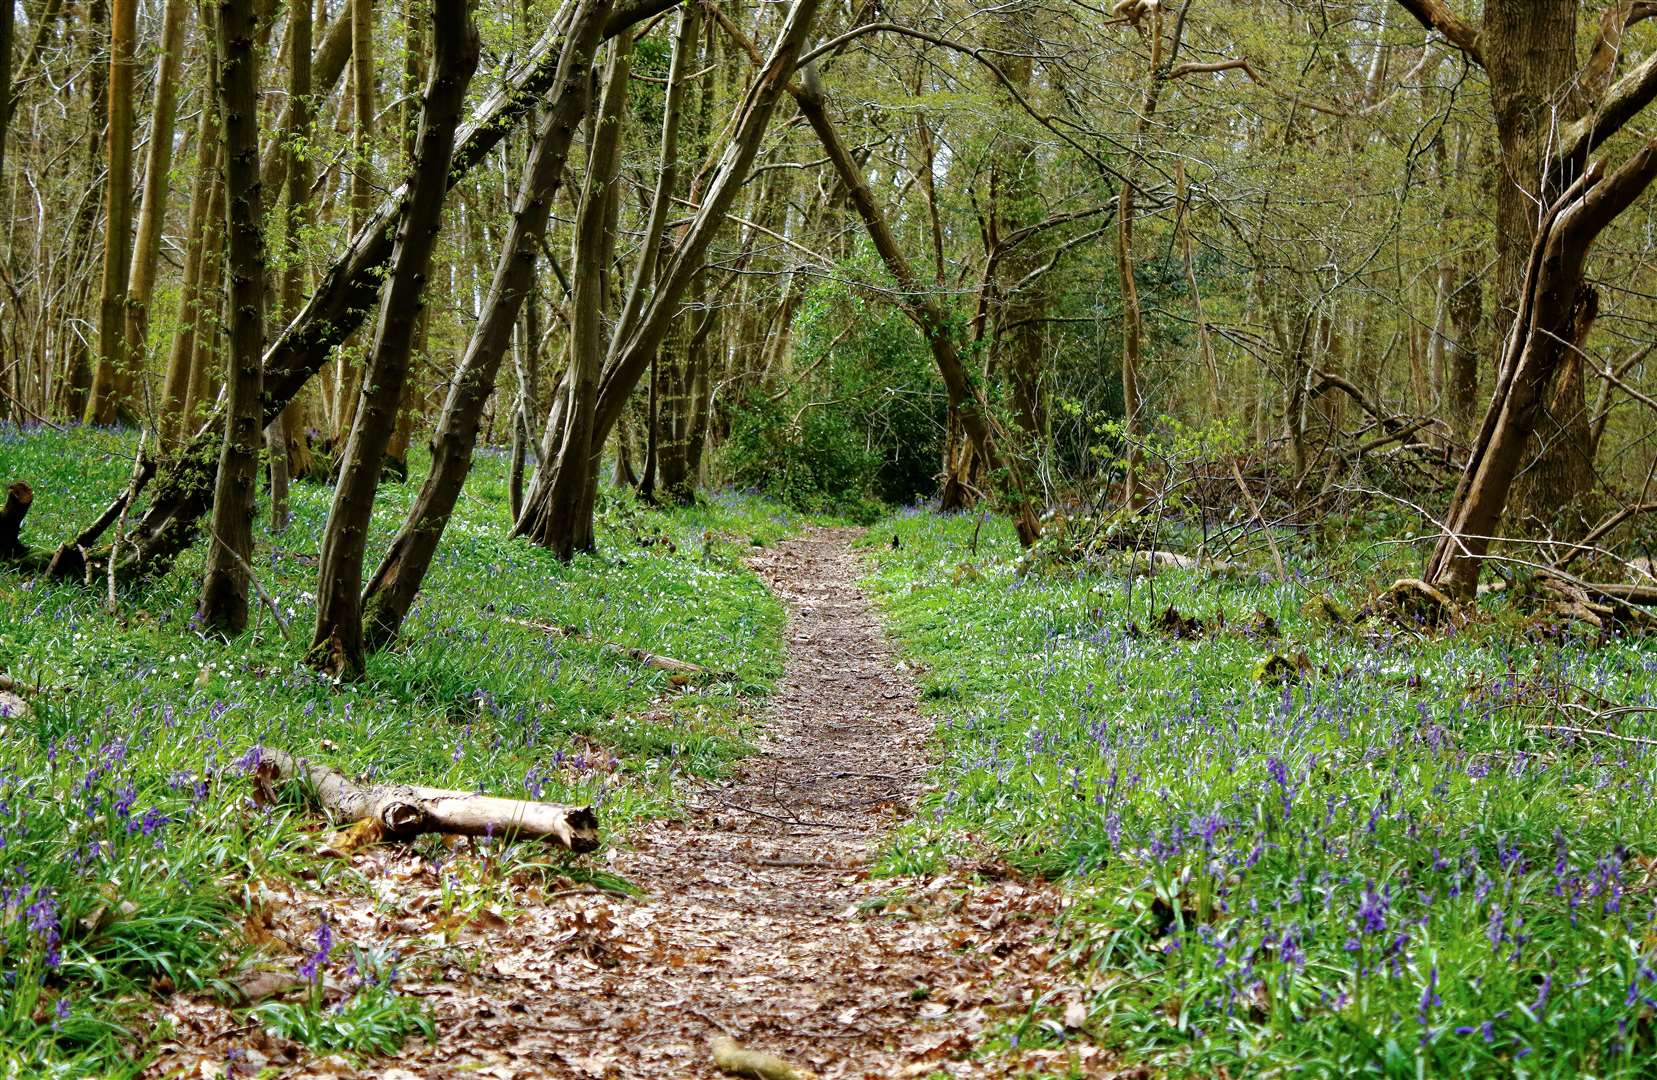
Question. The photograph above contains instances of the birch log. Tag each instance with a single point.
(405, 810)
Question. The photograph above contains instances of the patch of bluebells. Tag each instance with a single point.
(1383, 841)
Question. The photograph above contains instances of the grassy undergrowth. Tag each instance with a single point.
(1368, 857)
(126, 823)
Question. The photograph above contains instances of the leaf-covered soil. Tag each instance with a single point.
(757, 916)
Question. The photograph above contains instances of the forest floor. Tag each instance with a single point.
(756, 917)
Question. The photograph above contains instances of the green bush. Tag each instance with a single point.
(862, 424)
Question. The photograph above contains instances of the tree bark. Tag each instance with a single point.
(557, 525)
(174, 422)
(77, 382)
(1555, 307)
(632, 348)
(112, 380)
(285, 443)
(158, 164)
(349, 369)
(225, 582)
(397, 581)
(337, 646)
(8, 26)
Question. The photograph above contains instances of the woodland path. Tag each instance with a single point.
(757, 921)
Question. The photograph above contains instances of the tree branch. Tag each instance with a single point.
(1436, 15)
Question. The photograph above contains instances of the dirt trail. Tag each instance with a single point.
(757, 921)
(752, 925)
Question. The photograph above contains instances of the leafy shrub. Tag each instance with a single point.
(861, 425)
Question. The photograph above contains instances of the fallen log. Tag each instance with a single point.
(1632, 594)
(405, 810)
(1148, 562)
(19, 497)
(638, 656)
(729, 1056)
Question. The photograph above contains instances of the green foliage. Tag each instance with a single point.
(1377, 860)
(126, 824)
(864, 425)
(372, 1019)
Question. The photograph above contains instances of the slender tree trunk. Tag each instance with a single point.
(557, 525)
(77, 382)
(337, 646)
(396, 583)
(285, 441)
(175, 422)
(8, 22)
(206, 362)
(230, 551)
(114, 372)
(158, 165)
(349, 372)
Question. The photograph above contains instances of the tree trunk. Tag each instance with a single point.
(337, 646)
(225, 582)
(8, 25)
(632, 348)
(77, 381)
(1555, 311)
(396, 583)
(206, 361)
(112, 381)
(158, 165)
(348, 371)
(286, 433)
(175, 424)
(1529, 50)
(556, 521)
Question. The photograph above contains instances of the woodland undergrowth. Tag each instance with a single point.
(1293, 843)
(129, 835)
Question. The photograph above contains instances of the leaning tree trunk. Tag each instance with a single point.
(556, 524)
(1555, 308)
(225, 583)
(397, 582)
(113, 373)
(1529, 50)
(633, 347)
(337, 646)
(346, 291)
(964, 394)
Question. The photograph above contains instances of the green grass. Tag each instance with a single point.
(126, 822)
(1377, 863)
